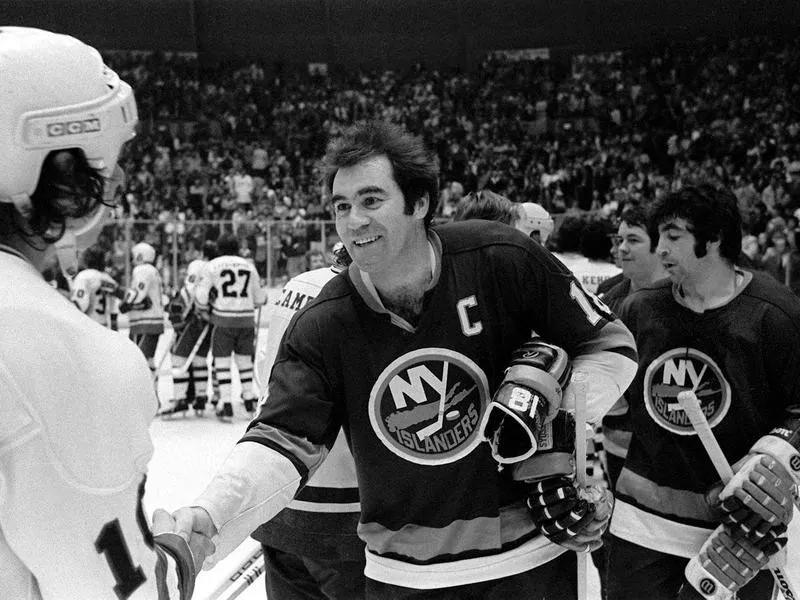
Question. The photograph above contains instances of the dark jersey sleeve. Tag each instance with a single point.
(299, 418)
(554, 302)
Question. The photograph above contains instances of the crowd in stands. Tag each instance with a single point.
(241, 144)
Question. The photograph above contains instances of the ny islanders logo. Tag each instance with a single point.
(427, 405)
(685, 369)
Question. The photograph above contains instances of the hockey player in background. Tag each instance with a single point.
(228, 292)
(730, 336)
(311, 549)
(76, 398)
(144, 304)
(405, 351)
(595, 247)
(529, 218)
(94, 291)
(535, 221)
(193, 333)
(642, 268)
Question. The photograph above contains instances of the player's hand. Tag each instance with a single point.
(724, 565)
(757, 499)
(571, 518)
(194, 525)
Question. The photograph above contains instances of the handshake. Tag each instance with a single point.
(185, 539)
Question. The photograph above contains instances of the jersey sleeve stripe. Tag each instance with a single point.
(304, 455)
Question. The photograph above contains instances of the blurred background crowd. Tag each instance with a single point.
(235, 146)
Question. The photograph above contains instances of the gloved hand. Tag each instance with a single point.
(725, 564)
(528, 397)
(573, 518)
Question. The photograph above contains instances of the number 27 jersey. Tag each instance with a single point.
(237, 291)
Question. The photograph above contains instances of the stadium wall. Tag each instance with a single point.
(383, 33)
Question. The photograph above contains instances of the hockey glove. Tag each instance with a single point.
(572, 518)
(761, 493)
(724, 565)
(555, 453)
(528, 397)
(128, 306)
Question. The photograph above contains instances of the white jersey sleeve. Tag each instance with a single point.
(83, 291)
(146, 285)
(193, 272)
(92, 293)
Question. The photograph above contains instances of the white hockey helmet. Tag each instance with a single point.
(143, 253)
(534, 218)
(56, 94)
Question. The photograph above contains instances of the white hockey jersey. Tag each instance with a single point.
(92, 292)
(193, 272)
(590, 273)
(73, 450)
(146, 283)
(236, 291)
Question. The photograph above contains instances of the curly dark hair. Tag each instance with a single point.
(68, 188)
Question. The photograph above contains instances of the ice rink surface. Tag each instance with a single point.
(188, 449)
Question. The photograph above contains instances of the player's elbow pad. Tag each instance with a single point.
(528, 397)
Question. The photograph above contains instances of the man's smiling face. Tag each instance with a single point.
(370, 215)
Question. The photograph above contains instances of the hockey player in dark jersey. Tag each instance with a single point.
(641, 267)
(405, 351)
(730, 336)
(311, 548)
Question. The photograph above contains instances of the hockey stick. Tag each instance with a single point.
(163, 358)
(579, 381)
(246, 573)
(200, 339)
(691, 406)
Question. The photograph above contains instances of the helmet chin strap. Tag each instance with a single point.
(77, 237)
(67, 253)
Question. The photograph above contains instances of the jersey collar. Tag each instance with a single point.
(366, 289)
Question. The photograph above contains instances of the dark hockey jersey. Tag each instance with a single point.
(616, 424)
(436, 511)
(743, 362)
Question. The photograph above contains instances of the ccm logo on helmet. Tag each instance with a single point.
(73, 127)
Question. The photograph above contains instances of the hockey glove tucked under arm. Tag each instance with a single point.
(725, 565)
(575, 519)
(528, 397)
(555, 453)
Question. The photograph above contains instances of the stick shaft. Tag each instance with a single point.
(241, 575)
(244, 581)
(579, 381)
